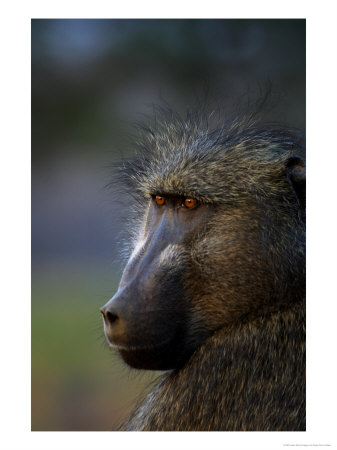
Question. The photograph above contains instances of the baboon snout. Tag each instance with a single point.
(114, 325)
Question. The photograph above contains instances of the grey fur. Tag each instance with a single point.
(244, 273)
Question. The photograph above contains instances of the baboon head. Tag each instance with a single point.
(219, 236)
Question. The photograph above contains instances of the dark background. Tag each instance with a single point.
(91, 79)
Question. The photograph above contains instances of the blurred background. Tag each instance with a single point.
(91, 80)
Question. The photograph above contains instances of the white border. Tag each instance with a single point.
(15, 223)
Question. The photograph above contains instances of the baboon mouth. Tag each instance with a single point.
(139, 348)
(159, 356)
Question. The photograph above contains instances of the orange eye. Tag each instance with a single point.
(159, 200)
(190, 202)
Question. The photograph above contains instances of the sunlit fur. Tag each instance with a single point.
(243, 273)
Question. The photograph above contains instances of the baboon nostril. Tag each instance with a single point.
(111, 317)
(108, 316)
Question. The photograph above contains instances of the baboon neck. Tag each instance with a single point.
(245, 378)
(283, 318)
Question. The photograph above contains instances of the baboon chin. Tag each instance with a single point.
(214, 287)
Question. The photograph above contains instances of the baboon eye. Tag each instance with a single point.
(159, 200)
(190, 202)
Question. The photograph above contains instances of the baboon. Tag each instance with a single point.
(213, 292)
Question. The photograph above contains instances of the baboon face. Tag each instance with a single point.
(148, 318)
(194, 268)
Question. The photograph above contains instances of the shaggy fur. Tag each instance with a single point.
(249, 377)
(242, 274)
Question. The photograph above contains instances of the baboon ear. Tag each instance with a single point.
(296, 176)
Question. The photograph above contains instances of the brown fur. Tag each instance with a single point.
(249, 377)
(235, 287)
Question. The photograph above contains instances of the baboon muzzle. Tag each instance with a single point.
(134, 322)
